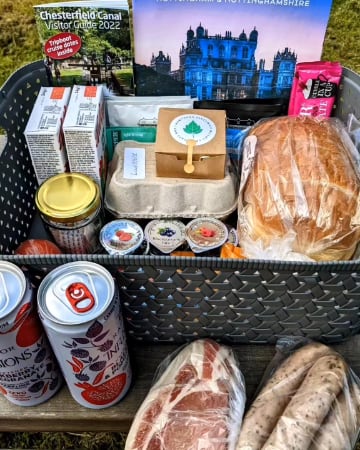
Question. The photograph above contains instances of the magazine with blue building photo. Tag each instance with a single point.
(224, 49)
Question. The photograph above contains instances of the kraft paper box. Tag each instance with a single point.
(191, 143)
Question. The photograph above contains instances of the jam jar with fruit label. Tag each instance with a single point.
(70, 207)
(205, 236)
(122, 237)
(165, 235)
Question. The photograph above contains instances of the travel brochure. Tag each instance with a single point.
(209, 50)
(86, 43)
(224, 49)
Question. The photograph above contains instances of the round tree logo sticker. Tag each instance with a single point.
(62, 45)
(192, 127)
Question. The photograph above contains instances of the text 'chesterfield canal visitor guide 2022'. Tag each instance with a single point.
(224, 49)
(87, 42)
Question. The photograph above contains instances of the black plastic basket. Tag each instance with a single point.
(177, 299)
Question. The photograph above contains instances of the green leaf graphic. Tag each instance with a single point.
(192, 128)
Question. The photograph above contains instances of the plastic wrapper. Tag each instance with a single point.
(314, 89)
(309, 399)
(141, 111)
(235, 137)
(298, 173)
(280, 248)
(246, 111)
(38, 247)
(229, 250)
(196, 402)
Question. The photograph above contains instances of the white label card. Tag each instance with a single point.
(134, 163)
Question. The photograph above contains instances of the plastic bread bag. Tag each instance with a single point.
(235, 137)
(196, 401)
(279, 248)
(309, 399)
(297, 175)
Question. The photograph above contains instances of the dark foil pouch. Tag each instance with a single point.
(246, 111)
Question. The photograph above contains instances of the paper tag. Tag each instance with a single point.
(134, 163)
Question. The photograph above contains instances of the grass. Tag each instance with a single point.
(19, 45)
(341, 40)
(62, 441)
(70, 77)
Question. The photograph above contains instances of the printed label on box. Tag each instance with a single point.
(84, 131)
(134, 163)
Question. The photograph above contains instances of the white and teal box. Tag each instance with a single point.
(43, 132)
(84, 131)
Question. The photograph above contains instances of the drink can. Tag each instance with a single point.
(70, 207)
(29, 373)
(79, 306)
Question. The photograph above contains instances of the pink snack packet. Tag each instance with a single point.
(314, 88)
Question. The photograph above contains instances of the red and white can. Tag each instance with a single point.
(79, 306)
(29, 373)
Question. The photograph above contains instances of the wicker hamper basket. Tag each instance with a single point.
(177, 299)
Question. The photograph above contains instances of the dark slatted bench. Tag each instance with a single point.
(62, 413)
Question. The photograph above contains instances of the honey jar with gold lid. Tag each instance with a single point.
(70, 207)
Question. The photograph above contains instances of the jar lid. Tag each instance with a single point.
(68, 197)
(12, 287)
(165, 235)
(205, 234)
(121, 237)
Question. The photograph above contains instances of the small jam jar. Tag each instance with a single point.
(122, 237)
(206, 235)
(165, 235)
(70, 207)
